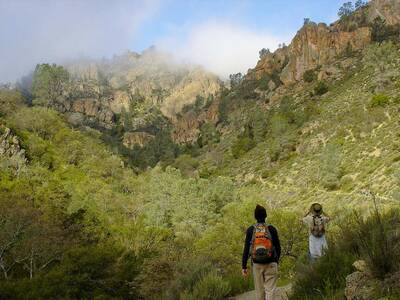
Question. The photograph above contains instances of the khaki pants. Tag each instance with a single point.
(265, 277)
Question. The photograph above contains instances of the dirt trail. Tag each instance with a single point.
(281, 294)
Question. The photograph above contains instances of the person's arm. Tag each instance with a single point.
(305, 218)
(246, 248)
(327, 217)
(276, 241)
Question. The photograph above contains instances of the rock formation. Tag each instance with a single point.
(139, 87)
(319, 44)
(360, 284)
(314, 45)
(388, 10)
(11, 151)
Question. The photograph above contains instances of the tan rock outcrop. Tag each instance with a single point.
(318, 44)
(144, 82)
(187, 128)
(271, 63)
(11, 151)
(93, 108)
(314, 45)
(196, 83)
(388, 10)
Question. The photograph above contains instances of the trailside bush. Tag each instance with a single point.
(379, 100)
(242, 145)
(210, 287)
(331, 169)
(321, 88)
(93, 272)
(309, 76)
(186, 164)
(374, 239)
(325, 276)
(378, 242)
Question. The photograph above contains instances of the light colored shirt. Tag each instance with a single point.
(309, 220)
(317, 245)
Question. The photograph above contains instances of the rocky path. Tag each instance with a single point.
(282, 294)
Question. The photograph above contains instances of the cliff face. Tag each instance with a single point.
(388, 10)
(11, 151)
(153, 77)
(187, 128)
(314, 45)
(134, 89)
(318, 44)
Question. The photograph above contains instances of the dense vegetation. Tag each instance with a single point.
(78, 222)
(374, 239)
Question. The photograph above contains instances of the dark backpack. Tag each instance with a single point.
(318, 227)
(262, 250)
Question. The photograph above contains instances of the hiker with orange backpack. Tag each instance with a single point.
(263, 246)
(316, 220)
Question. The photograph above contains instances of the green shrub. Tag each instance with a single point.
(208, 135)
(242, 145)
(374, 239)
(379, 100)
(331, 166)
(224, 107)
(186, 164)
(378, 242)
(211, 287)
(321, 88)
(263, 82)
(381, 31)
(309, 76)
(245, 90)
(321, 279)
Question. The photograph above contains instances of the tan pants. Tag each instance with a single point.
(265, 277)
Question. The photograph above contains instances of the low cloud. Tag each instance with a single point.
(35, 31)
(221, 47)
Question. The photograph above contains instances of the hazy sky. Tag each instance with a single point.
(222, 35)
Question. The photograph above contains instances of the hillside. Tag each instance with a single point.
(135, 100)
(130, 171)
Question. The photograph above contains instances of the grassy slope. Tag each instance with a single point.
(366, 147)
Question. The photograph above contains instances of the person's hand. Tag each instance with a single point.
(244, 272)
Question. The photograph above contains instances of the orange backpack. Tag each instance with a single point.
(262, 248)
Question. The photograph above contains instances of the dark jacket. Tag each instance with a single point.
(247, 243)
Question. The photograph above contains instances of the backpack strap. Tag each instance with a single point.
(252, 239)
(267, 231)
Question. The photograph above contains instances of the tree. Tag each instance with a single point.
(208, 135)
(359, 4)
(28, 242)
(346, 10)
(236, 79)
(48, 83)
(381, 31)
(321, 88)
(309, 76)
(263, 52)
(307, 21)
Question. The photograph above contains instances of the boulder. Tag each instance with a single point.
(360, 284)
(11, 151)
